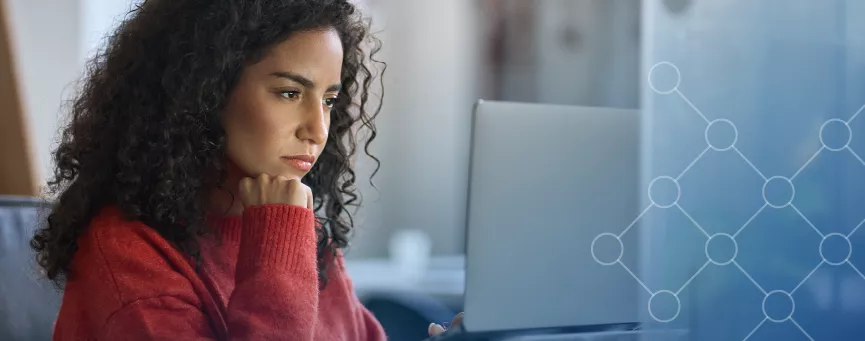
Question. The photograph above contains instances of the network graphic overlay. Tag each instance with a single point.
(773, 180)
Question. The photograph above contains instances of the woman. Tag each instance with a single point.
(203, 140)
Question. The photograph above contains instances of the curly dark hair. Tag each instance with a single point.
(144, 132)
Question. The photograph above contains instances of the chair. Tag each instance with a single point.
(28, 302)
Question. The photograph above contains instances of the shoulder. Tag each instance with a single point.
(337, 274)
(127, 260)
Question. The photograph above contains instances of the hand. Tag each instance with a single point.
(436, 329)
(269, 190)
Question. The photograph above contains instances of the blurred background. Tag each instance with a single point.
(777, 70)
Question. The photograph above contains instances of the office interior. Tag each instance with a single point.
(750, 106)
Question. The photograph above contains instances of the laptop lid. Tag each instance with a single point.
(545, 180)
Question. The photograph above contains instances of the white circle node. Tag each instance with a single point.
(849, 134)
(621, 249)
(849, 248)
(721, 121)
(667, 65)
(735, 249)
(792, 192)
(678, 306)
(792, 306)
(665, 205)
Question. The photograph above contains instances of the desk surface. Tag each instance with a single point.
(445, 276)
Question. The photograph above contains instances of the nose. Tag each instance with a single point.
(315, 125)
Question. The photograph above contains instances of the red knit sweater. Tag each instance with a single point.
(260, 283)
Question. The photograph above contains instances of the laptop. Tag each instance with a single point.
(544, 181)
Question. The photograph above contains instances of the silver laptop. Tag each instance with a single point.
(545, 180)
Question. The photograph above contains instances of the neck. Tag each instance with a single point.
(225, 200)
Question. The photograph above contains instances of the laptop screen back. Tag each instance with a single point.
(545, 181)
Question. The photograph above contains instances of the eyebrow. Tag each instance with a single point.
(303, 81)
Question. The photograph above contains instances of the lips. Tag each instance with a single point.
(301, 162)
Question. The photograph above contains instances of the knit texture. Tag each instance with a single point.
(257, 281)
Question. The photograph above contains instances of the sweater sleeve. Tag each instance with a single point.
(276, 281)
(275, 295)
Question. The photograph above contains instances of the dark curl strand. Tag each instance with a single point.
(144, 132)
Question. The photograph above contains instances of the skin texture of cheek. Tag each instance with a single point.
(254, 141)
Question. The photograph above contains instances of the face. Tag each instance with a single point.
(277, 118)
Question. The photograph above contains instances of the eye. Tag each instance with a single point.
(329, 102)
(289, 94)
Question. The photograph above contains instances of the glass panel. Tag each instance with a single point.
(763, 95)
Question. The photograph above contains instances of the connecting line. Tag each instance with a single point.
(801, 329)
(692, 163)
(692, 278)
(807, 277)
(635, 277)
(808, 162)
(807, 221)
(856, 269)
(855, 228)
(855, 155)
(749, 277)
(755, 329)
(750, 220)
(856, 114)
(750, 164)
(692, 220)
(692, 105)
(635, 220)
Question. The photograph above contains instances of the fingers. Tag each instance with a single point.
(266, 189)
(435, 329)
(457, 320)
(244, 188)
